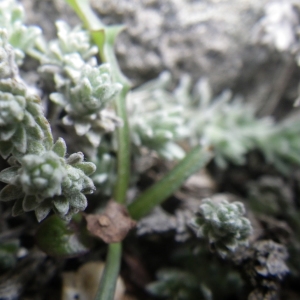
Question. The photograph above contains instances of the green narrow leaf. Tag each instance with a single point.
(9, 175)
(58, 238)
(160, 191)
(10, 192)
(60, 147)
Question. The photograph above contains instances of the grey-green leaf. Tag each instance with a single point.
(30, 203)
(78, 201)
(19, 140)
(42, 211)
(8, 175)
(87, 167)
(61, 204)
(60, 147)
(58, 98)
(75, 158)
(5, 149)
(18, 208)
(57, 238)
(10, 192)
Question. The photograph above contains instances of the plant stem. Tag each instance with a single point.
(104, 37)
(123, 171)
(110, 275)
(194, 160)
(123, 136)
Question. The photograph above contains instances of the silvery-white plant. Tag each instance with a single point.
(223, 224)
(40, 177)
(21, 37)
(156, 120)
(160, 118)
(85, 91)
(24, 129)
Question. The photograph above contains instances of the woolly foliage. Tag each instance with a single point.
(156, 120)
(222, 224)
(20, 36)
(46, 181)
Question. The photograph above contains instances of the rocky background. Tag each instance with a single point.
(248, 46)
(242, 45)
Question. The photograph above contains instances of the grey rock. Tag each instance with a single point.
(210, 38)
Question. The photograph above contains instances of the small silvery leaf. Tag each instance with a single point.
(18, 208)
(30, 203)
(20, 141)
(9, 175)
(61, 204)
(58, 99)
(12, 161)
(87, 167)
(75, 158)
(7, 133)
(11, 192)
(42, 211)
(82, 128)
(94, 138)
(78, 201)
(88, 185)
(5, 148)
(60, 147)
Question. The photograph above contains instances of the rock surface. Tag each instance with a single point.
(210, 38)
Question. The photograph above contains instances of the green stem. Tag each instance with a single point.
(109, 278)
(194, 160)
(123, 171)
(104, 37)
(123, 135)
(84, 11)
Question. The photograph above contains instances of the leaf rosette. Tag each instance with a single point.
(46, 181)
(223, 224)
(87, 100)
